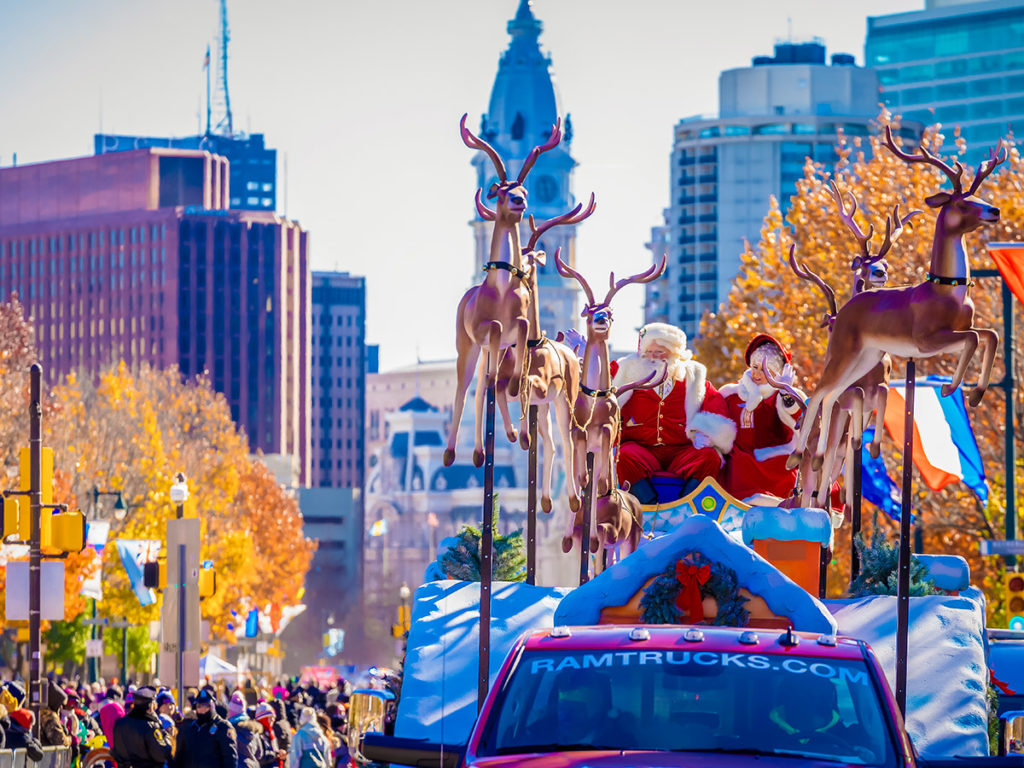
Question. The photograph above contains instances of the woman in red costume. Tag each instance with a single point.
(765, 419)
(681, 427)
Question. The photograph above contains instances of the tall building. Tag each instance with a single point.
(773, 115)
(339, 379)
(135, 256)
(524, 105)
(956, 63)
(252, 165)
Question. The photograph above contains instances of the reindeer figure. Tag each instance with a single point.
(552, 372)
(619, 524)
(932, 318)
(596, 411)
(495, 314)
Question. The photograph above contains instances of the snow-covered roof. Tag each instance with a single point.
(800, 524)
(699, 533)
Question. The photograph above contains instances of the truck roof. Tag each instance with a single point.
(669, 637)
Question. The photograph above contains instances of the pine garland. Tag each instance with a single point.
(879, 569)
(462, 562)
(658, 605)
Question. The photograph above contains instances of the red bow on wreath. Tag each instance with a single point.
(691, 578)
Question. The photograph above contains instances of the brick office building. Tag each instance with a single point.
(135, 256)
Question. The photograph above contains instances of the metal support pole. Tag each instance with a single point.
(35, 442)
(531, 501)
(92, 636)
(124, 652)
(855, 522)
(1011, 421)
(588, 498)
(486, 545)
(903, 575)
(824, 560)
(182, 614)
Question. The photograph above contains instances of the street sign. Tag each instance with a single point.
(1002, 547)
(181, 600)
(51, 594)
(93, 649)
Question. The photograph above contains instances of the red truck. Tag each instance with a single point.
(680, 696)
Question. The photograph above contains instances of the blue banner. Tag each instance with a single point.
(134, 553)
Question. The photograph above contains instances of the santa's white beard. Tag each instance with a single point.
(636, 368)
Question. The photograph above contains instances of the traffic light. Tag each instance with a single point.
(1015, 600)
(154, 575)
(207, 582)
(25, 466)
(404, 621)
(62, 531)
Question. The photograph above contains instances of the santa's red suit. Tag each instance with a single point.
(659, 425)
(765, 421)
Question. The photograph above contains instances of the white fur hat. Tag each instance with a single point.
(666, 335)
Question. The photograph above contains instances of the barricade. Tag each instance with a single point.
(53, 757)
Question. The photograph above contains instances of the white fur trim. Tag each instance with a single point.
(721, 429)
(668, 335)
(774, 452)
(788, 415)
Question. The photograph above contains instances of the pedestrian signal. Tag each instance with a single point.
(25, 473)
(1015, 600)
(17, 526)
(154, 575)
(207, 583)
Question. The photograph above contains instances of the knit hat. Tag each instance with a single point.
(17, 693)
(666, 335)
(164, 697)
(56, 697)
(263, 711)
(24, 718)
(237, 704)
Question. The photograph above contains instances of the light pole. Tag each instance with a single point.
(179, 495)
(120, 510)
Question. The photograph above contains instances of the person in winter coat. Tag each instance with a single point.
(110, 712)
(282, 729)
(208, 740)
(19, 735)
(5, 725)
(310, 748)
(247, 732)
(51, 730)
(139, 740)
(273, 755)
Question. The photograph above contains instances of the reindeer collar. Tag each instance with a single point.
(516, 271)
(596, 392)
(943, 280)
(534, 343)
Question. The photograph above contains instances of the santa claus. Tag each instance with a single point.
(765, 419)
(680, 427)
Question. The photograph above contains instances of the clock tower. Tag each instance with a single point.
(523, 107)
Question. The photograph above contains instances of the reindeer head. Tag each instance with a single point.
(960, 211)
(510, 194)
(870, 270)
(599, 314)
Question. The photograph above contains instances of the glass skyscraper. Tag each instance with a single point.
(959, 64)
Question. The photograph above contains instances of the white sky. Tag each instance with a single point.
(364, 98)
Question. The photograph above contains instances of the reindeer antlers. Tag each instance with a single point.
(892, 234)
(551, 143)
(473, 142)
(955, 174)
(566, 271)
(804, 273)
(893, 227)
(647, 382)
(572, 217)
(651, 273)
(995, 157)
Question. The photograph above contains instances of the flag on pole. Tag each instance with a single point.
(875, 484)
(1009, 258)
(945, 450)
(134, 553)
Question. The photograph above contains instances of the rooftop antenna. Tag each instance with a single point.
(789, 27)
(225, 127)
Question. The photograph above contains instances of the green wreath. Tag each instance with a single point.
(658, 605)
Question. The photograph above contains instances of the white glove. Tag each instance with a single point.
(787, 375)
(700, 440)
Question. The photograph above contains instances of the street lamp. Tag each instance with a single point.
(179, 493)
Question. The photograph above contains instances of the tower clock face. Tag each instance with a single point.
(547, 189)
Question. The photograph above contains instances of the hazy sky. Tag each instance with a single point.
(364, 99)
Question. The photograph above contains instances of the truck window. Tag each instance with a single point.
(690, 700)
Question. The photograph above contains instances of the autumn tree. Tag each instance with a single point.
(767, 296)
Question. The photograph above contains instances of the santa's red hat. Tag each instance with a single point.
(766, 338)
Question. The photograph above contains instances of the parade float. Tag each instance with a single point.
(669, 545)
